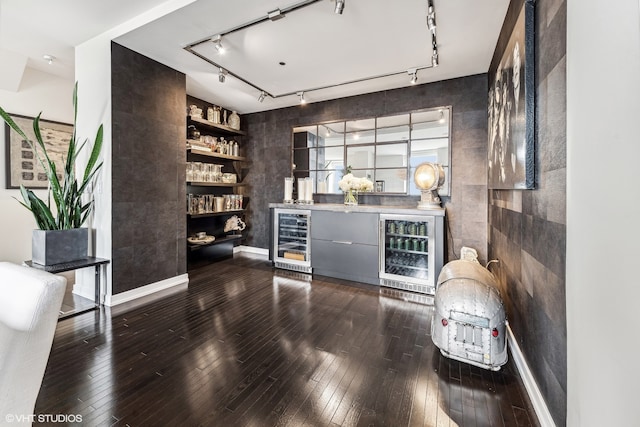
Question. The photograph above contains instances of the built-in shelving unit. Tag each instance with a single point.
(213, 222)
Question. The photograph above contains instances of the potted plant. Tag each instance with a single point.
(60, 237)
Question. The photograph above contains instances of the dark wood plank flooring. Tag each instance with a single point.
(246, 345)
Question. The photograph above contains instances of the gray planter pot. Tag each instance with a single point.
(50, 247)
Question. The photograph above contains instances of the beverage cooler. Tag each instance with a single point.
(411, 251)
(291, 244)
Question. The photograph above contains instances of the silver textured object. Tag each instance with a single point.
(469, 322)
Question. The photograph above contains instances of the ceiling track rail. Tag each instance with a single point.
(280, 13)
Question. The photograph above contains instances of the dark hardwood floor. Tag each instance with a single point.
(249, 346)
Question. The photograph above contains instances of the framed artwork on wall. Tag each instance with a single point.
(511, 108)
(22, 165)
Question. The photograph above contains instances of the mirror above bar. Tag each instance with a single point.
(384, 149)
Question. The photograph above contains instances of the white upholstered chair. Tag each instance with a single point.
(30, 302)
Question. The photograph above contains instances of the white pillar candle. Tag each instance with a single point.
(288, 189)
(302, 189)
(309, 190)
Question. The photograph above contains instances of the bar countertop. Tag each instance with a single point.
(338, 207)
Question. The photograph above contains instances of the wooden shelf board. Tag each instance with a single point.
(231, 212)
(216, 127)
(222, 239)
(216, 155)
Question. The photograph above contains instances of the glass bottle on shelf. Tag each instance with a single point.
(234, 120)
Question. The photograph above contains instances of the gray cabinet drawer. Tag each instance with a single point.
(354, 227)
(354, 261)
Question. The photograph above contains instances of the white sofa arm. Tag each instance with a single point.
(30, 302)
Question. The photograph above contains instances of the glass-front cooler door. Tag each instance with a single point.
(292, 245)
(406, 252)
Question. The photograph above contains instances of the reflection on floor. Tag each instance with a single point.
(246, 345)
(71, 302)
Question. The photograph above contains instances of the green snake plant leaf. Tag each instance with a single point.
(41, 211)
(65, 189)
(93, 158)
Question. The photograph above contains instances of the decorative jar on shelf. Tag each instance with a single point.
(234, 121)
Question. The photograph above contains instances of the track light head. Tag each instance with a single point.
(339, 6)
(302, 100)
(431, 17)
(413, 73)
(222, 75)
(431, 23)
(217, 40)
(274, 15)
(263, 94)
(434, 59)
(49, 58)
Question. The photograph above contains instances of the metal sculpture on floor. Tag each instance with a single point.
(469, 322)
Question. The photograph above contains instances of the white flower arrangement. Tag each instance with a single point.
(350, 182)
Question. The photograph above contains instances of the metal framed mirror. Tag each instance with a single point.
(385, 149)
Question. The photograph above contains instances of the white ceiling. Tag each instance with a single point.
(320, 48)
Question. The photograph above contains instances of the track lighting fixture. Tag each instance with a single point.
(431, 23)
(413, 73)
(431, 17)
(217, 40)
(277, 14)
(49, 58)
(441, 120)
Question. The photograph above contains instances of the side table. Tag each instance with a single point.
(75, 265)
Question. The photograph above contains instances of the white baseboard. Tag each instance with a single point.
(251, 249)
(539, 405)
(172, 282)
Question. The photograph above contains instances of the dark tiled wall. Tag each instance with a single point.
(269, 145)
(149, 192)
(527, 229)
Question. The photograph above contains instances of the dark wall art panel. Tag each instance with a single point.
(511, 109)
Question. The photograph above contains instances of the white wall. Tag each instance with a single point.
(93, 72)
(603, 212)
(38, 92)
